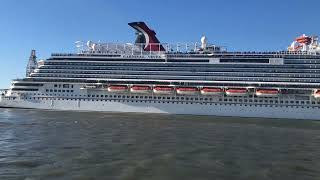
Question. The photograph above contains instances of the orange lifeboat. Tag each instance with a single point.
(163, 90)
(316, 94)
(237, 92)
(117, 88)
(187, 90)
(140, 89)
(304, 39)
(267, 92)
(211, 91)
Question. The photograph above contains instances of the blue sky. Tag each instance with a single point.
(54, 25)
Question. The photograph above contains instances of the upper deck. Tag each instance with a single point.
(147, 46)
(180, 50)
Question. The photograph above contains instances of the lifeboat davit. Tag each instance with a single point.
(237, 92)
(163, 90)
(140, 89)
(267, 92)
(316, 94)
(117, 88)
(187, 90)
(211, 91)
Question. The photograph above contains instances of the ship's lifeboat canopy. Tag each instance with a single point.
(193, 89)
(187, 90)
(267, 92)
(141, 88)
(237, 91)
(211, 91)
(163, 90)
(117, 88)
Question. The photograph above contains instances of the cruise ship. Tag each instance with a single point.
(149, 77)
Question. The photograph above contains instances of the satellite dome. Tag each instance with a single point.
(204, 41)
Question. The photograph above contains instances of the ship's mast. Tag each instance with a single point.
(32, 63)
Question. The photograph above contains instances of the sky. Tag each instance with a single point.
(51, 26)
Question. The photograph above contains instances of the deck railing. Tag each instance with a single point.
(119, 49)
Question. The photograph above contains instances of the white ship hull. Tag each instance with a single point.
(152, 78)
(216, 109)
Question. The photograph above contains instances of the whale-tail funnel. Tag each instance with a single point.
(146, 36)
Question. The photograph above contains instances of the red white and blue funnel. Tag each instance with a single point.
(150, 41)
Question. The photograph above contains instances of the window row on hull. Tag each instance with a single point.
(27, 84)
(292, 85)
(202, 60)
(23, 89)
(183, 73)
(159, 77)
(302, 61)
(110, 60)
(183, 65)
(235, 59)
(174, 69)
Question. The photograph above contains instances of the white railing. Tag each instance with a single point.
(157, 50)
(142, 49)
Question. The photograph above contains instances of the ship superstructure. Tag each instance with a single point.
(150, 77)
